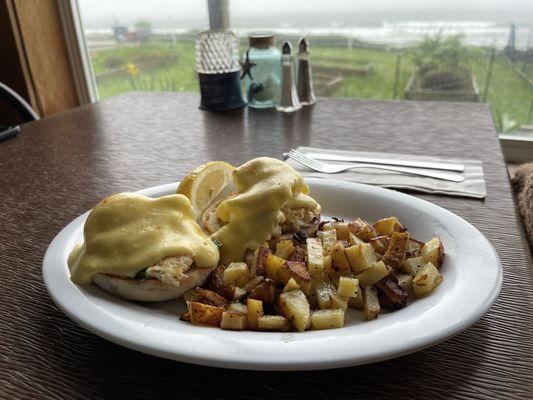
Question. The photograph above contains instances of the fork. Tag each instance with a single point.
(334, 169)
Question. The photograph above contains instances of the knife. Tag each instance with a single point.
(387, 161)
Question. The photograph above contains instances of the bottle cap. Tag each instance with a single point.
(286, 49)
(304, 46)
(261, 40)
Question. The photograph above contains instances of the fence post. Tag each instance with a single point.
(528, 119)
(396, 77)
(489, 75)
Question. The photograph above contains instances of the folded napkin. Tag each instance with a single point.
(472, 186)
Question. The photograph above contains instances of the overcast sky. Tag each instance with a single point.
(159, 10)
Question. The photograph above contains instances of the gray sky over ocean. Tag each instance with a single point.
(101, 13)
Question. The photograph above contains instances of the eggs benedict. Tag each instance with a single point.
(143, 249)
(271, 199)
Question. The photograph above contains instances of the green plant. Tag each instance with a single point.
(437, 54)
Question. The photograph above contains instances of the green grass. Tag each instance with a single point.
(508, 94)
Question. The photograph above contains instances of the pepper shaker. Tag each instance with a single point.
(304, 84)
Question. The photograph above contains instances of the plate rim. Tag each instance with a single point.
(277, 364)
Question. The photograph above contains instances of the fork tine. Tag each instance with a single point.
(303, 160)
(310, 160)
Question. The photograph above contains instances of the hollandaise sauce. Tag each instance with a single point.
(128, 232)
(264, 186)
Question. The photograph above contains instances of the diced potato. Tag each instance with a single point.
(309, 290)
(405, 281)
(323, 291)
(348, 286)
(395, 254)
(293, 269)
(265, 291)
(327, 319)
(238, 308)
(386, 226)
(342, 229)
(380, 244)
(328, 264)
(205, 296)
(236, 274)
(272, 265)
(328, 239)
(360, 257)
(239, 293)
(291, 285)
(371, 306)
(433, 252)
(356, 302)
(414, 248)
(295, 307)
(339, 301)
(204, 314)
(362, 229)
(273, 323)
(255, 311)
(413, 265)
(259, 260)
(233, 321)
(426, 280)
(339, 258)
(355, 240)
(284, 249)
(253, 282)
(315, 257)
(374, 274)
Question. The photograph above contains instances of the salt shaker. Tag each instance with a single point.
(304, 84)
(288, 101)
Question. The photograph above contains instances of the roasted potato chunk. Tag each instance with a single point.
(328, 239)
(380, 244)
(362, 229)
(339, 301)
(361, 257)
(395, 254)
(413, 265)
(393, 291)
(386, 226)
(371, 306)
(291, 285)
(260, 256)
(373, 275)
(348, 286)
(427, 279)
(204, 314)
(265, 291)
(284, 249)
(356, 302)
(272, 265)
(339, 258)
(233, 321)
(323, 292)
(315, 257)
(255, 311)
(327, 319)
(273, 323)
(236, 274)
(295, 307)
(433, 252)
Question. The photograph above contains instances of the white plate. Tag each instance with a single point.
(472, 280)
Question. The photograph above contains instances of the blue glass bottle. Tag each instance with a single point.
(262, 71)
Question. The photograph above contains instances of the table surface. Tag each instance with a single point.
(61, 166)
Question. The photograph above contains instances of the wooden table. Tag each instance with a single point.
(61, 166)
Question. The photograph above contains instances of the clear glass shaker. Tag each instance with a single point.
(262, 71)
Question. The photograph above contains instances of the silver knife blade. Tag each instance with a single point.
(386, 161)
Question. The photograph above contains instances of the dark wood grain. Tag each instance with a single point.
(61, 166)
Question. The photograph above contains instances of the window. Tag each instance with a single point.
(476, 50)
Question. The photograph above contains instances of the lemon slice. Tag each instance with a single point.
(204, 183)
